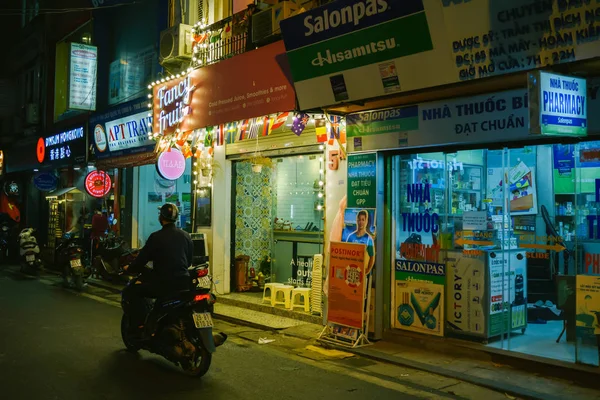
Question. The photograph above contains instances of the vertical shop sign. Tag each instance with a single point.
(82, 77)
(558, 104)
(362, 180)
(346, 285)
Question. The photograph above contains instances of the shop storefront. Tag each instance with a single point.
(491, 240)
(121, 145)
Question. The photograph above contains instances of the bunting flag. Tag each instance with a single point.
(267, 126)
(242, 129)
(220, 139)
(321, 130)
(280, 120)
(8, 207)
(299, 124)
(231, 131)
(335, 130)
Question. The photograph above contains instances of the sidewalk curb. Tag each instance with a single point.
(516, 391)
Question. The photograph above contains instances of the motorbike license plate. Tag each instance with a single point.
(30, 258)
(76, 263)
(204, 282)
(202, 320)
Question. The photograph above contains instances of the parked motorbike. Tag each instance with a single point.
(29, 252)
(111, 254)
(72, 259)
(183, 332)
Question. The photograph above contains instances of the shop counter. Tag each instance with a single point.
(479, 302)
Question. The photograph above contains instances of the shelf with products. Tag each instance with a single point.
(463, 185)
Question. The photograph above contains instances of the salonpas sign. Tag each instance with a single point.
(365, 37)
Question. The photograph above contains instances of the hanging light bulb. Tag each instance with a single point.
(321, 147)
(321, 183)
(320, 195)
(321, 159)
(149, 105)
(321, 171)
(149, 86)
(163, 80)
(319, 207)
(149, 95)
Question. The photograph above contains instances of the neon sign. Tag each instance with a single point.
(174, 104)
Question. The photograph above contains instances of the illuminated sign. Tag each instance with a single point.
(82, 77)
(65, 147)
(558, 104)
(172, 101)
(98, 184)
(124, 133)
(171, 164)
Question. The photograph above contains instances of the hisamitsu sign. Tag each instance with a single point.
(558, 104)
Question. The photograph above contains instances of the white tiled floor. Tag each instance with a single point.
(540, 340)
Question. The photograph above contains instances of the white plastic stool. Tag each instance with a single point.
(286, 292)
(269, 286)
(304, 294)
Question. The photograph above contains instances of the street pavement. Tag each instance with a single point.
(56, 344)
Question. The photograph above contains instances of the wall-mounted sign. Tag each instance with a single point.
(98, 184)
(254, 83)
(362, 180)
(82, 77)
(45, 181)
(557, 105)
(64, 148)
(171, 164)
(12, 188)
(124, 133)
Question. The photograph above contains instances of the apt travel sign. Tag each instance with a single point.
(558, 104)
(365, 36)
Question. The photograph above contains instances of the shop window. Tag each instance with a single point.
(279, 217)
(509, 239)
(154, 191)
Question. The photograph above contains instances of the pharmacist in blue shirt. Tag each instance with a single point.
(360, 235)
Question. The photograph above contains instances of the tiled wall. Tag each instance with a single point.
(296, 194)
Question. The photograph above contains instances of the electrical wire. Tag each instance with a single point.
(28, 11)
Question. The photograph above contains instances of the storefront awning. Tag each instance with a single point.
(133, 160)
(61, 192)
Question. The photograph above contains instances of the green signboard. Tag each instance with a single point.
(362, 180)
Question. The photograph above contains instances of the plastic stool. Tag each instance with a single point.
(304, 294)
(269, 286)
(286, 291)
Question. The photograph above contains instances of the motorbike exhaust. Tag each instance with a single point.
(219, 339)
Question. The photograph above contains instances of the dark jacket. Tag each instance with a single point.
(171, 251)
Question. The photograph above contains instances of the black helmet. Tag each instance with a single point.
(169, 212)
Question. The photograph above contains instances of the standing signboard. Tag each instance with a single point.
(347, 315)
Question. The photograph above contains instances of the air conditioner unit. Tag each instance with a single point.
(266, 23)
(32, 113)
(176, 43)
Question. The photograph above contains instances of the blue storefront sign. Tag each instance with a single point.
(123, 130)
(558, 104)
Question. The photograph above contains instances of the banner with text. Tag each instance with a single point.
(350, 50)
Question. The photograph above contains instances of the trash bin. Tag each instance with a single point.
(241, 273)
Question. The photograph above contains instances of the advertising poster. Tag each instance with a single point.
(419, 297)
(508, 291)
(347, 288)
(362, 180)
(405, 45)
(465, 297)
(588, 318)
(521, 177)
(82, 77)
(359, 227)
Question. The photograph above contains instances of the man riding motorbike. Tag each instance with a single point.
(170, 250)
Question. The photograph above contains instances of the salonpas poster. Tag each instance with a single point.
(419, 297)
(350, 50)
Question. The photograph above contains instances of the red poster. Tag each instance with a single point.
(346, 284)
(246, 86)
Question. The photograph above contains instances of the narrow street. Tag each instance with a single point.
(55, 344)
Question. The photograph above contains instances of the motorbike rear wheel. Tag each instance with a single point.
(201, 365)
(131, 344)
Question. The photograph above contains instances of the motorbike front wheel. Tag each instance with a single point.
(201, 364)
(130, 344)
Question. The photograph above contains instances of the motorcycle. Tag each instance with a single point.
(72, 258)
(29, 252)
(111, 254)
(183, 333)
